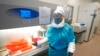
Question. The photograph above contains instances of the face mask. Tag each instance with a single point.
(61, 24)
(57, 20)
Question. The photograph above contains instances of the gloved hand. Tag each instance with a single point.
(35, 44)
(39, 42)
(70, 54)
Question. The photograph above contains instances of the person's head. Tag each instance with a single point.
(58, 17)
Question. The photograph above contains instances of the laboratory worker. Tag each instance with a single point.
(60, 35)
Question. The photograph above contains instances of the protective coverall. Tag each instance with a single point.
(59, 39)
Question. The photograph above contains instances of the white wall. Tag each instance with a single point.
(75, 4)
(98, 13)
(98, 20)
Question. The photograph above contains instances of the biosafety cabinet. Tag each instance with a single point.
(14, 15)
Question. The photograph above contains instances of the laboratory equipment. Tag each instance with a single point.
(79, 30)
(87, 15)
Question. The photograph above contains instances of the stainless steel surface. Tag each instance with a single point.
(35, 51)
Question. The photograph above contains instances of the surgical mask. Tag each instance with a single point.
(57, 20)
(61, 24)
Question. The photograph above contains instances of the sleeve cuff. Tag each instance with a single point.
(71, 47)
(42, 41)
